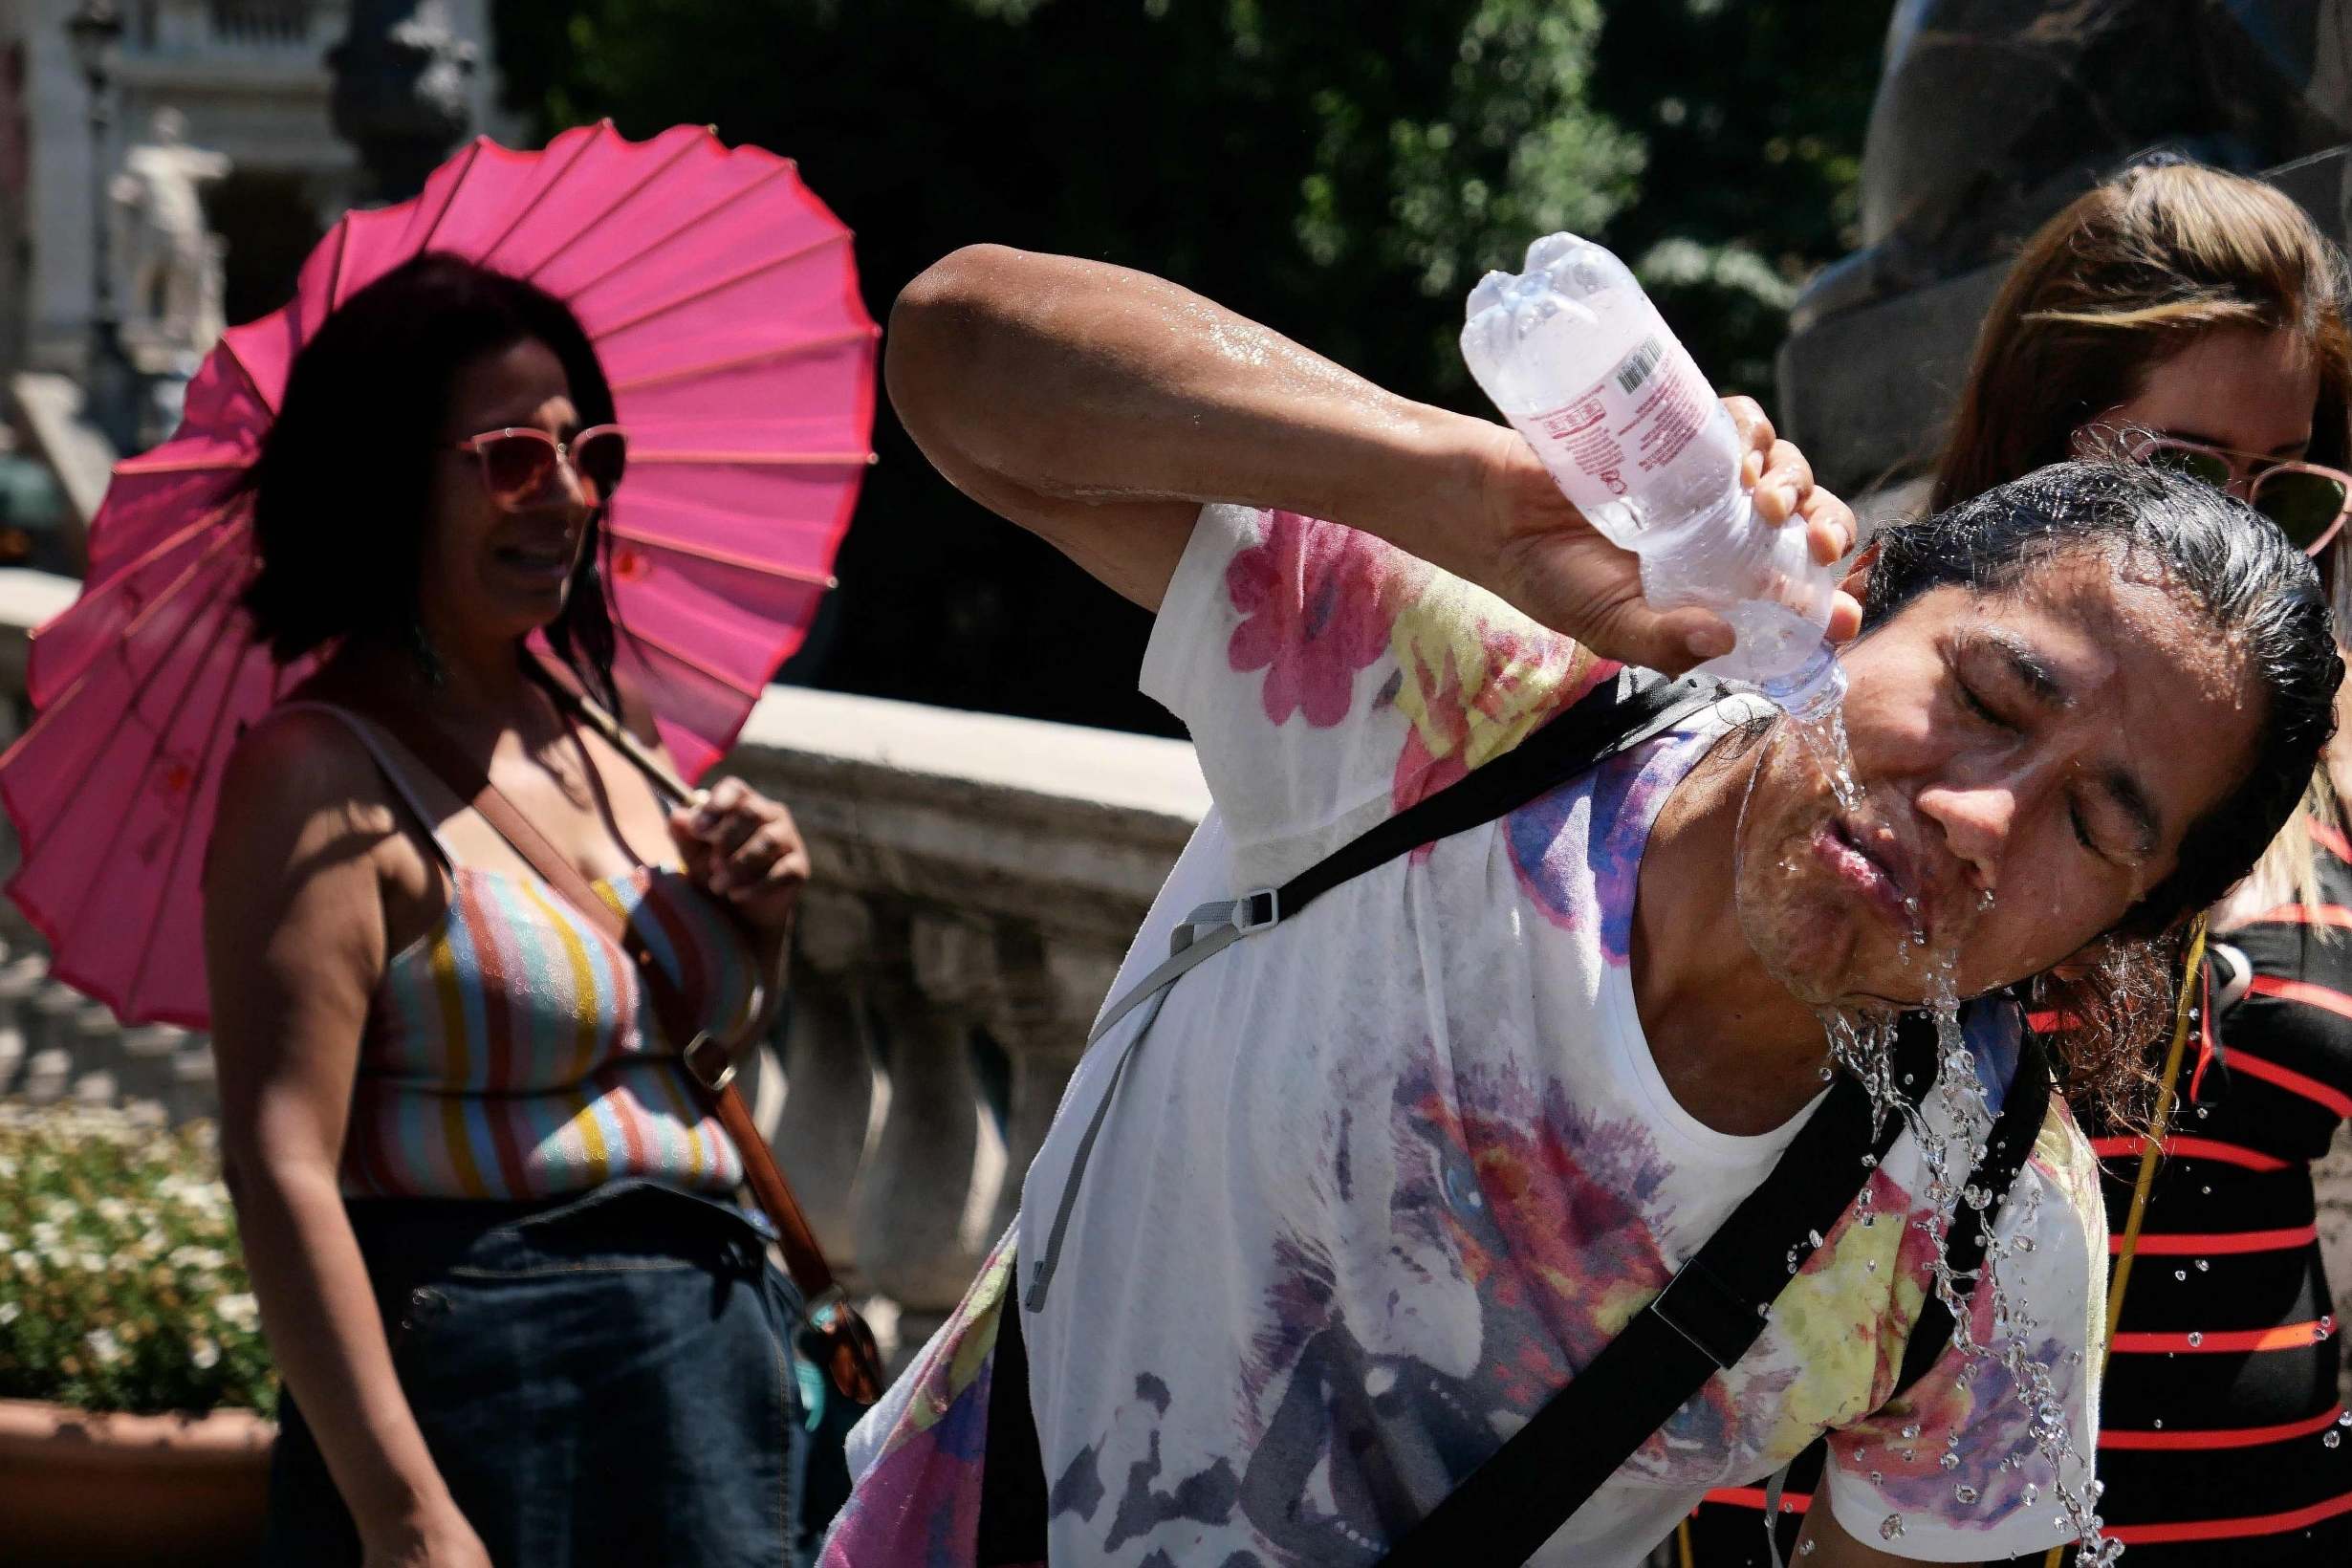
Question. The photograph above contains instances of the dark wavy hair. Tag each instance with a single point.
(366, 400)
(2259, 596)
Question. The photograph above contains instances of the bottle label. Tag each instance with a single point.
(1632, 422)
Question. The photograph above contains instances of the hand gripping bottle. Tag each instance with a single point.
(1579, 361)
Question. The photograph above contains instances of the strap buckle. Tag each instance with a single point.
(820, 1309)
(1717, 1321)
(713, 1077)
(1257, 909)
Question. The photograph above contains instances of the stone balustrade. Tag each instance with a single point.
(977, 880)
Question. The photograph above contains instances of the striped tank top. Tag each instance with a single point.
(510, 1052)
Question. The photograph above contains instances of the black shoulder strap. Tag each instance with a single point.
(1711, 1313)
(1634, 708)
(1606, 721)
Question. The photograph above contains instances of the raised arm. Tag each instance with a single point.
(1100, 408)
(294, 947)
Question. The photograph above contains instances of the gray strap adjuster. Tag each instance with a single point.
(1258, 909)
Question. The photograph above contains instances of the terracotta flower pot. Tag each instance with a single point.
(103, 1490)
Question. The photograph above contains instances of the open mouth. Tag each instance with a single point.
(1874, 867)
(551, 560)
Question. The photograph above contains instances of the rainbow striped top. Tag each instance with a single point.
(510, 1052)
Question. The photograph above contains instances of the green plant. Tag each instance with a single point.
(120, 1283)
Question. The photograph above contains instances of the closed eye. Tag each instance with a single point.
(2082, 832)
(1976, 704)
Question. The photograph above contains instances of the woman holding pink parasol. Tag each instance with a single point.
(514, 1309)
(377, 644)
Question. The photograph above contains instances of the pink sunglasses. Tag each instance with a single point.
(2308, 501)
(518, 463)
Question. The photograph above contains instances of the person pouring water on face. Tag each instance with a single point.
(1324, 1225)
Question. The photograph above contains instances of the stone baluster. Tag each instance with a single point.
(821, 1131)
(19, 978)
(1053, 987)
(96, 1047)
(49, 1043)
(144, 1073)
(195, 1094)
(930, 1189)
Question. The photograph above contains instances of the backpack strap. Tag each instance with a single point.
(1705, 1321)
(1713, 1311)
(1610, 719)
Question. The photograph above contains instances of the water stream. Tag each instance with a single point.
(1950, 1126)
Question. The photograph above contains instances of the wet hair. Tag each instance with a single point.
(342, 488)
(2256, 594)
(2126, 277)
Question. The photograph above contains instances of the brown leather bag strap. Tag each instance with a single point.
(856, 1368)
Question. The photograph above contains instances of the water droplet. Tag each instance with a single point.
(2180, 1273)
(2201, 1111)
(2159, 1423)
(1877, 1479)
(2345, 1420)
(1870, 1265)
(1806, 1548)
(1911, 1432)
(2332, 1437)
(1869, 1161)
(1814, 1236)
(1890, 1527)
(1965, 1493)
(1950, 1461)
(2203, 1265)
(2195, 1338)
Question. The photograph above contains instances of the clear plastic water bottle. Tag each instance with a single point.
(1580, 362)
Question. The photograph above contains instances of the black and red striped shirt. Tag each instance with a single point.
(2220, 1422)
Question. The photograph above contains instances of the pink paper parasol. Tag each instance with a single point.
(723, 299)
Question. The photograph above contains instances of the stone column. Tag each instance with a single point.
(1053, 988)
(930, 1189)
(822, 1131)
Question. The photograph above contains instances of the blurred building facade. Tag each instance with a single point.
(252, 80)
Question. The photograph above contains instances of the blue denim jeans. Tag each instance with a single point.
(604, 1380)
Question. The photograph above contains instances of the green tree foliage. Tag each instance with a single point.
(1752, 113)
(1343, 172)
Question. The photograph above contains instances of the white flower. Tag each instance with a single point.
(103, 1345)
(114, 1211)
(205, 1354)
(8, 1313)
(240, 1310)
(26, 1263)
